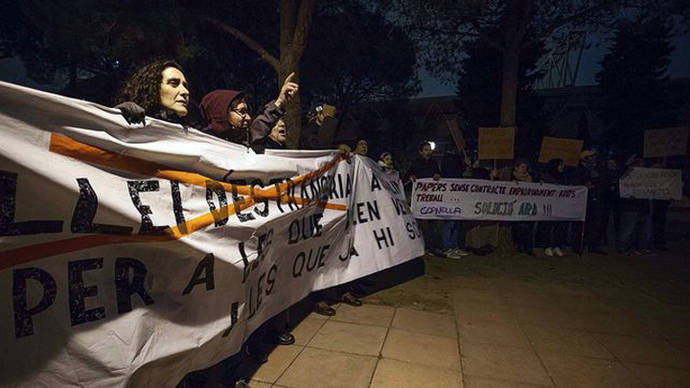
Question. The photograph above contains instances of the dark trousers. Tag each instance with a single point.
(555, 234)
(659, 210)
(523, 236)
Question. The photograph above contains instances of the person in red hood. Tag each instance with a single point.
(227, 114)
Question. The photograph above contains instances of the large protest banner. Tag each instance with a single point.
(651, 183)
(560, 148)
(473, 199)
(131, 255)
(665, 142)
(496, 143)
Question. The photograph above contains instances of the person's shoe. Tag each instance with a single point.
(548, 252)
(558, 252)
(638, 252)
(322, 308)
(348, 298)
(451, 254)
(648, 252)
(461, 252)
(286, 339)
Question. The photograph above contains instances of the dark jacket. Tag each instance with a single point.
(552, 175)
(423, 168)
(452, 165)
(261, 127)
(214, 109)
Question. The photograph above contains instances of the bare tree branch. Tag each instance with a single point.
(249, 42)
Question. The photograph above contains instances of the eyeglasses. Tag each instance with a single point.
(242, 112)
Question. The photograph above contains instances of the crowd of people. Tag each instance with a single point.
(160, 90)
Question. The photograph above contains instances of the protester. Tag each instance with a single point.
(362, 147)
(482, 236)
(636, 223)
(227, 116)
(589, 175)
(425, 167)
(659, 211)
(555, 231)
(611, 175)
(158, 89)
(386, 161)
(523, 231)
(453, 237)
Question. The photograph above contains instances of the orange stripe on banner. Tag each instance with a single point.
(68, 147)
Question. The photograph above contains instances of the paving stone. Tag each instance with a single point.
(329, 369)
(617, 324)
(503, 362)
(259, 384)
(475, 282)
(486, 382)
(655, 376)
(305, 330)
(366, 314)
(547, 317)
(472, 312)
(394, 374)
(441, 352)
(532, 299)
(565, 341)
(475, 296)
(278, 361)
(645, 351)
(576, 371)
(424, 322)
(349, 337)
(492, 333)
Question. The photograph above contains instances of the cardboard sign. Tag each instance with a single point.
(665, 142)
(559, 148)
(652, 183)
(496, 143)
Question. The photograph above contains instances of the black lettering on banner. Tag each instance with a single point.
(238, 201)
(271, 279)
(177, 202)
(372, 210)
(292, 204)
(301, 228)
(264, 212)
(125, 288)
(23, 322)
(245, 262)
(385, 237)
(234, 308)
(263, 244)
(401, 207)
(375, 184)
(85, 211)
(78, 292)
(136, 187)
(205, 265)
(412, 230)
(259, 290)
(221, 216)
(300, 256)
(8, 192)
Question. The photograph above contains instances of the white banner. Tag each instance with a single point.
(652, 183)
(133, 255)
(473, 199)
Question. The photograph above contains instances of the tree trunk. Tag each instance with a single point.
(509, 86)
(288, 20)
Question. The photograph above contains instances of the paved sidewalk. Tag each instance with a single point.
(489, 332)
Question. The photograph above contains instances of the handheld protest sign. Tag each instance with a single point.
(560, 148)
(496, 143)
(665, 142)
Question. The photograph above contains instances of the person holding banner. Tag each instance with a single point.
(590, 175)
(523, 231)
(158, 89)
(555, 231)
(425, 167)
(636, 223)
(227, 116)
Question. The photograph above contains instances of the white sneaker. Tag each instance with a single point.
(461, 252)
(548, 252)
(558, 252)
(451, 254)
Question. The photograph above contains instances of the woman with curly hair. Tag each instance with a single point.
(158, 89)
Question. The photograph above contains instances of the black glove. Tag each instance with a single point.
(132, 112)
